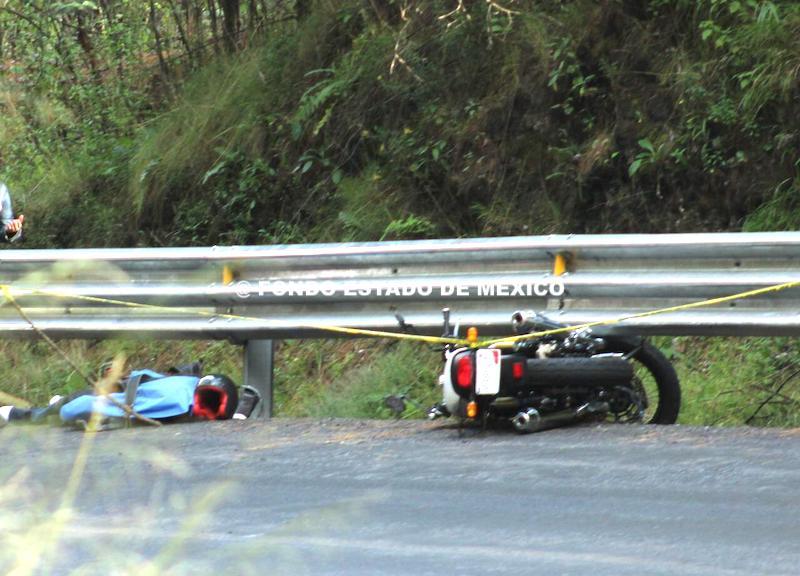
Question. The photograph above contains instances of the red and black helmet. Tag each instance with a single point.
(215, 398)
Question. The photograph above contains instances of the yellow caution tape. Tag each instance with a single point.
(6, 289)
(509, 340)
(680, 307)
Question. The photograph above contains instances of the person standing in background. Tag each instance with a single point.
(12, 227)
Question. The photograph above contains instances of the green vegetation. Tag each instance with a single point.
(737, 381)
(136, 122)
(453, 118)
(351, 380)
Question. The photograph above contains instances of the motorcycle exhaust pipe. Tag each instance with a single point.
(531, 420)
(527, 420)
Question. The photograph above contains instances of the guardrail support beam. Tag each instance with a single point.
(258, 372)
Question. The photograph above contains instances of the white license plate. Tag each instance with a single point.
(487, 375)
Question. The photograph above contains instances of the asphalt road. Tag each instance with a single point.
(342, 497)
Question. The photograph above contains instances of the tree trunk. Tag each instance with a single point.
(230, 23)
(252, 16)
(162, 64)
(182, 32)
(212, 12)
(302, 9)
(196, 29)
(84, 39)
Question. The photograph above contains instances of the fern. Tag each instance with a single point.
(315, 98)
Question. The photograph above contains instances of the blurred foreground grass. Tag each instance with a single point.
(725, 381)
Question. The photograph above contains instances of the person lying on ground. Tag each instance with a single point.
(180, 393)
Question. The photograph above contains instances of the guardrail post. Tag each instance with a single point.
(258, 368)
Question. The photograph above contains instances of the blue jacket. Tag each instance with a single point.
(158, 396)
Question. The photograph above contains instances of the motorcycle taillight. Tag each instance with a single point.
(464, 370)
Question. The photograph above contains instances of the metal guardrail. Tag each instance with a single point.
(365, 285)
(293, 291)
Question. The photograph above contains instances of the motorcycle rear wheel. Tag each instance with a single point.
(656, 376)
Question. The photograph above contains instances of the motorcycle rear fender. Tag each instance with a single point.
(450, 397)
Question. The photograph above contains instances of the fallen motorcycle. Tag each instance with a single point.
(555, 379)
